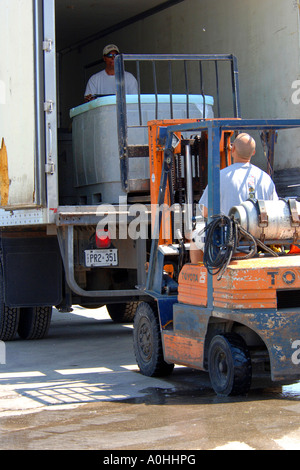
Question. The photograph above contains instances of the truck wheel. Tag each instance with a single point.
(147, 343)
(229, 365)
(34, 322)
(122, 313)
(9, 317)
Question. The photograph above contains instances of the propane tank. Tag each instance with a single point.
(269, 220)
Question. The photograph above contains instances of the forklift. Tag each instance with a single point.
(235, 315)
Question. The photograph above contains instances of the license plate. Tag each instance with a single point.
(101, 258)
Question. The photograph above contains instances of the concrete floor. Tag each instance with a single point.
(80, 389)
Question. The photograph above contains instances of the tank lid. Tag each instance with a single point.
(145, 99)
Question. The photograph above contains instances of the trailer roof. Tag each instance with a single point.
(80, 21)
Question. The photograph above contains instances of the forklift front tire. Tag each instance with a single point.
(229, 365)
(147, 343)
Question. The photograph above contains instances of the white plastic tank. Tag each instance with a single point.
(95, 141)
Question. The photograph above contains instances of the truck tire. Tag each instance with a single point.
(229, 365)
(34, 322)
(9, 316)
(122, 313)
(147, 343)
(9, 319)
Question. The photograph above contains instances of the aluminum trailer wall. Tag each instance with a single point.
(17, 103)
(264, 36)
(28, 122)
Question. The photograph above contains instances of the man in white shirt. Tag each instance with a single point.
(104, 83)
(242, 180)
(239, 182)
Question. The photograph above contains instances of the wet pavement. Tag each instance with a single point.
(80, 389)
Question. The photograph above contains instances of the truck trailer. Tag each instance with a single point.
(71, 198)
(78, 205)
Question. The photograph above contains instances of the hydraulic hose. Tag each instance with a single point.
(222, 238)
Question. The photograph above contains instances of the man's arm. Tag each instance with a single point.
(91, 89)
(88, 98)
(196, 255)
(131, 84)
(204, 212)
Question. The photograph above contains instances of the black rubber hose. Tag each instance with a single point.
(221, 242)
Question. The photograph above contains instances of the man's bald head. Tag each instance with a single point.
(244, 146)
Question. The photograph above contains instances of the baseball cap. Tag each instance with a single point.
(110, 47)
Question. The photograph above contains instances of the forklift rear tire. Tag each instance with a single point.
(147, 343)
(229, 365)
